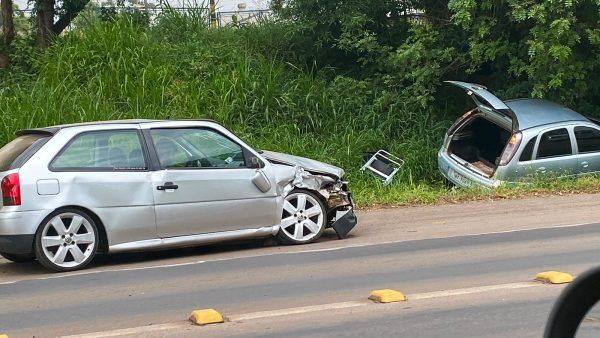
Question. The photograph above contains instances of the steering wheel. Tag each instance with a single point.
(198, 163)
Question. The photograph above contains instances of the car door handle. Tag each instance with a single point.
(541, 169)
(168, 186)
(585, 164)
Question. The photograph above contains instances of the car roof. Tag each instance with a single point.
(537, 112)
(55, 129)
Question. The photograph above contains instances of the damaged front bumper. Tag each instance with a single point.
(345, 221)
(333, 190)
(340, 202)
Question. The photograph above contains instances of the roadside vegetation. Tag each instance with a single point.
(327, 80)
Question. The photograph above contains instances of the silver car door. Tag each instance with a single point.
(206, 184)
(107, 171)
(588, 148)
(555, 153)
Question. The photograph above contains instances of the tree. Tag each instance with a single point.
(536, 48)
(8, 32)
(545, 49)
(46, 10)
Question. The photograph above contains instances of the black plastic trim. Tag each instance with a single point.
(344, 224)
(153, 163)
(16, 244)
(46, 131)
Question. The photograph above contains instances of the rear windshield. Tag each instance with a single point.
(15, 153)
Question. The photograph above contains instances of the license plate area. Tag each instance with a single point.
(459, 178)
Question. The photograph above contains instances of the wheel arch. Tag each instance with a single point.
(316, 193)
(103, 245)
(329, 211)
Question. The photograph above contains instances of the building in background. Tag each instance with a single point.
(227, 11)
(222, 5)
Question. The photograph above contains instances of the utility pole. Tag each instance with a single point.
(213, 15)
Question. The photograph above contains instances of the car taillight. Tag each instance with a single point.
(11, 190)
(511, 148)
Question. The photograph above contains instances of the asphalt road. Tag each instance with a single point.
(466, 270)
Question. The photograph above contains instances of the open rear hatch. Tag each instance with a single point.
(485, 137)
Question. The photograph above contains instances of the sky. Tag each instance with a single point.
(222, 5)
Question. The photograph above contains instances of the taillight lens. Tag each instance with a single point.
(511, 148)
(11, 190)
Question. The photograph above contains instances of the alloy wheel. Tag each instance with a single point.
(68, 240)
(302, 218)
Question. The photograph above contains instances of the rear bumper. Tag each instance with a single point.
(21, 222)
(17, 230)
(16, 244)
(447, 164)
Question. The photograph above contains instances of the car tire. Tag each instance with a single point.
(18, 258)
(303, 218)
(449, 184)
(61, 245)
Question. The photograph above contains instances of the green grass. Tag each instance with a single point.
(244, 79)
(422, 194)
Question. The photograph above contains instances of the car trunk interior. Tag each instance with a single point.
(480, 142)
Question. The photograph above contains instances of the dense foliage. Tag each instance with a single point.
(329, 79)
(517, 47)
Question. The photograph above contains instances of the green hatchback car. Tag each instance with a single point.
(508, 141)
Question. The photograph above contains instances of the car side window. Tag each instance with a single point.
(196, 148)
(588, 139)
(554, 143)
(106, 150)
(527, 153)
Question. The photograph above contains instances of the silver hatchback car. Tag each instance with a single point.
(508, 141)
(71, 191)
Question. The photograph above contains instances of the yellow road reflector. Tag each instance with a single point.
(205, 316)
(554, 277)
(387, 296)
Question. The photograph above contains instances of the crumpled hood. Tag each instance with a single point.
(306, 163)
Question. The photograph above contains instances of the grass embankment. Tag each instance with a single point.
(242, 78)
(424, 195)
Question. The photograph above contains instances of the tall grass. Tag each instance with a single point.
(240, 77)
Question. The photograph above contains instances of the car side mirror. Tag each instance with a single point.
(255, 163)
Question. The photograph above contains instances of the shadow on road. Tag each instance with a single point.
(114, 260)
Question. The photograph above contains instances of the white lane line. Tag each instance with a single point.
(295, 310)
(132, 331)
(351, 304)
(349, 246)
(468, 291)
(91, 272)
(316, 308)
